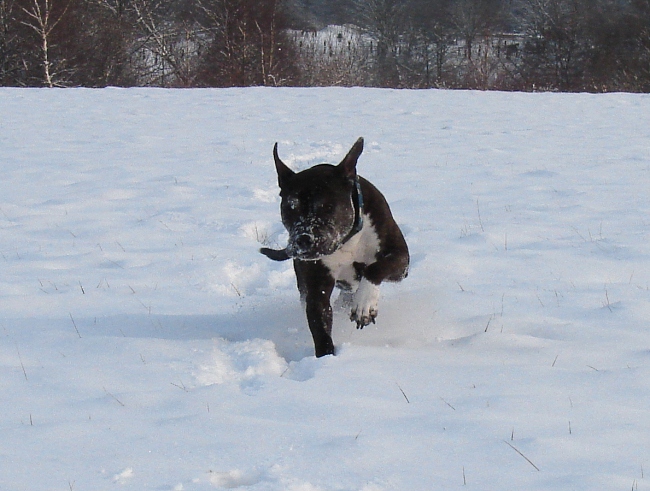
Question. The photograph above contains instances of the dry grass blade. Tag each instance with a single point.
(111, 395)
(20, 359)
(75, 326)
(527, 459)
(400, 389)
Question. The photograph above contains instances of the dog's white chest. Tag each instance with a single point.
(361, 248)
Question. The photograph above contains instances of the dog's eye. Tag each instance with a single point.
(293, 203)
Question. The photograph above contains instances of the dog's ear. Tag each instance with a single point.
(349, 164)
(284, 173)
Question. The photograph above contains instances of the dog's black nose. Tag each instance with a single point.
(304, 241)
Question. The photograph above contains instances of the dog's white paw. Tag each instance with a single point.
(364, 304)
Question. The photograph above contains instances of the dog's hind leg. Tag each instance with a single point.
(316, 284)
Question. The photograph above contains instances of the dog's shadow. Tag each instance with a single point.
(403, 321)
(281, 323)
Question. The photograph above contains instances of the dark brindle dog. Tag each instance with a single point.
(341, 233)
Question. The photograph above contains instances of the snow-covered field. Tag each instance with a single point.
(146, 344)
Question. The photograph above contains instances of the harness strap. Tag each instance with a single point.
(357, 201)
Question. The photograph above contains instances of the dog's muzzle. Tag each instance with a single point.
(307, 245)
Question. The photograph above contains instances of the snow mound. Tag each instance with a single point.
(246, 363)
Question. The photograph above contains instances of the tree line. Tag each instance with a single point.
(565, 45)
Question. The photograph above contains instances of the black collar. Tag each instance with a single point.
(357, 201)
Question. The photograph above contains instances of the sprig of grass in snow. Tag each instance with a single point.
(527, 459)
(111, 395)
(75, 325)
(20, 359)
(403, 393)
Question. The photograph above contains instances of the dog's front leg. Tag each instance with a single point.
(364, 304)
(316, 283)
(392, 266)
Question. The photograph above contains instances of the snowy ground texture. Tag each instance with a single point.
(145, 344)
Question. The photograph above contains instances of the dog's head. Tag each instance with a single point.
(320, 208)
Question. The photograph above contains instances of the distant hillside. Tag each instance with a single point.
(325, 12)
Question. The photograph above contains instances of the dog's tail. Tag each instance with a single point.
(275, 254)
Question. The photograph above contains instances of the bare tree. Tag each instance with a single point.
(9, 43)
(336, 57)
(432, 26)
(596, 45)
(557, 42)
(637, 70)
(43, 16)
(384, 20)
(246, 43)
(167, 43)
(473, 18)
(106, 44)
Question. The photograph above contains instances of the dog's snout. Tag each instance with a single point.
(304, 241)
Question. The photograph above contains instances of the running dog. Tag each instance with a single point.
(341, 233)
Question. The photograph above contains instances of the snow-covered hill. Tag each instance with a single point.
(146, 344)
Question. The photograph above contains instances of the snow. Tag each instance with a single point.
(146, 344)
